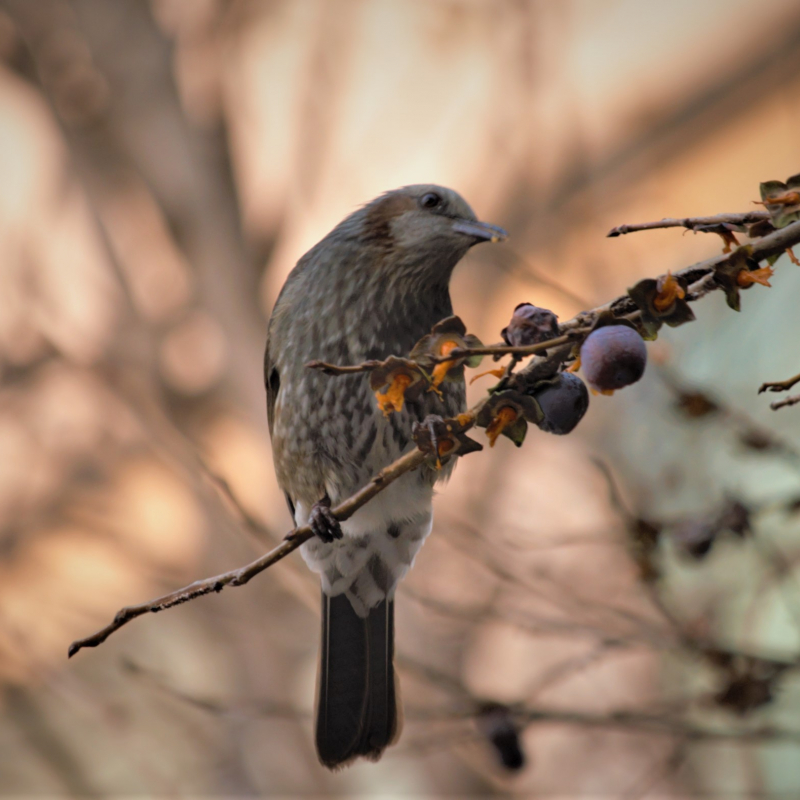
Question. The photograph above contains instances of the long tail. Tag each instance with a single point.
(357, 708)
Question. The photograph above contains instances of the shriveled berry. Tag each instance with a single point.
(612, 357)
(563, 403)
(530, 325)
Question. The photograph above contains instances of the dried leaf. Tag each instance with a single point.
(726, 275)
(782, 200)
(445, 336)
(760, 228)
(661, 301)
(747, 277)
(725, 231)
(402, 380)
(668, 291)
(508, 413)
(443, 438)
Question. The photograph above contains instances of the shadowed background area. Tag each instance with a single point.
(164, 164)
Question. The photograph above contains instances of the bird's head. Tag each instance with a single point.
(424, 229)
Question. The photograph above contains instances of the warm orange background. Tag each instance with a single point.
(163, 165)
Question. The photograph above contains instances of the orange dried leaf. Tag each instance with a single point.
(748, 277)
(669, 290)
(394, 397)
(792, 256)
(785, 199)
(440, 370)
(504, 417)
(498, 373)
(445, 446)
(728, 240)
(575, 365)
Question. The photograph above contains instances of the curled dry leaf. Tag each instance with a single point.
(739, 272)
(661, 301)
(725, 230)
(445, 336)
(668, 290)
(782, 200)
(747, 278)
(443, 438)
(508, 412)
(402, 380)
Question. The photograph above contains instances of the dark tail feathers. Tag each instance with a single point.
(357, 709)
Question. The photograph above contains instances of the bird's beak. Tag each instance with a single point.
(481, 231)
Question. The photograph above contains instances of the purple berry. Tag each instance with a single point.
(530, 325)
(612, 357)
(563, 403)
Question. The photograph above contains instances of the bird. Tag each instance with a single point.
(371, 288)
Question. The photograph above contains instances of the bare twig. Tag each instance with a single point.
(240, 576)
(691, 223)
(779, 386)
(789, 401)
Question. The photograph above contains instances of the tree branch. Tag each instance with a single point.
(699, 277)
(779, 386)
(623, 307)
(241, 575)
(691, 223)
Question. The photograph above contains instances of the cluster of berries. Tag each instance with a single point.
(611, 357)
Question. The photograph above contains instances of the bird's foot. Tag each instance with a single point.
(325, 526)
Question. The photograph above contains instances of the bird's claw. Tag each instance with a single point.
(322, 522)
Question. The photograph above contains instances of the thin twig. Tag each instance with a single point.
(789, 401)
(241, 575)
(691, 223)
(779, 386)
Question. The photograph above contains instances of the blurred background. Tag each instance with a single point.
(164, 164)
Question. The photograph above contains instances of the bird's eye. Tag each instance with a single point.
(430, 200)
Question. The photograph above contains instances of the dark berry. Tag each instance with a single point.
(612, 357)
(563, 403)
(530, 325)
(497, 725)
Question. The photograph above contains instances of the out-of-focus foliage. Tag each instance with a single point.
(163, 167)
